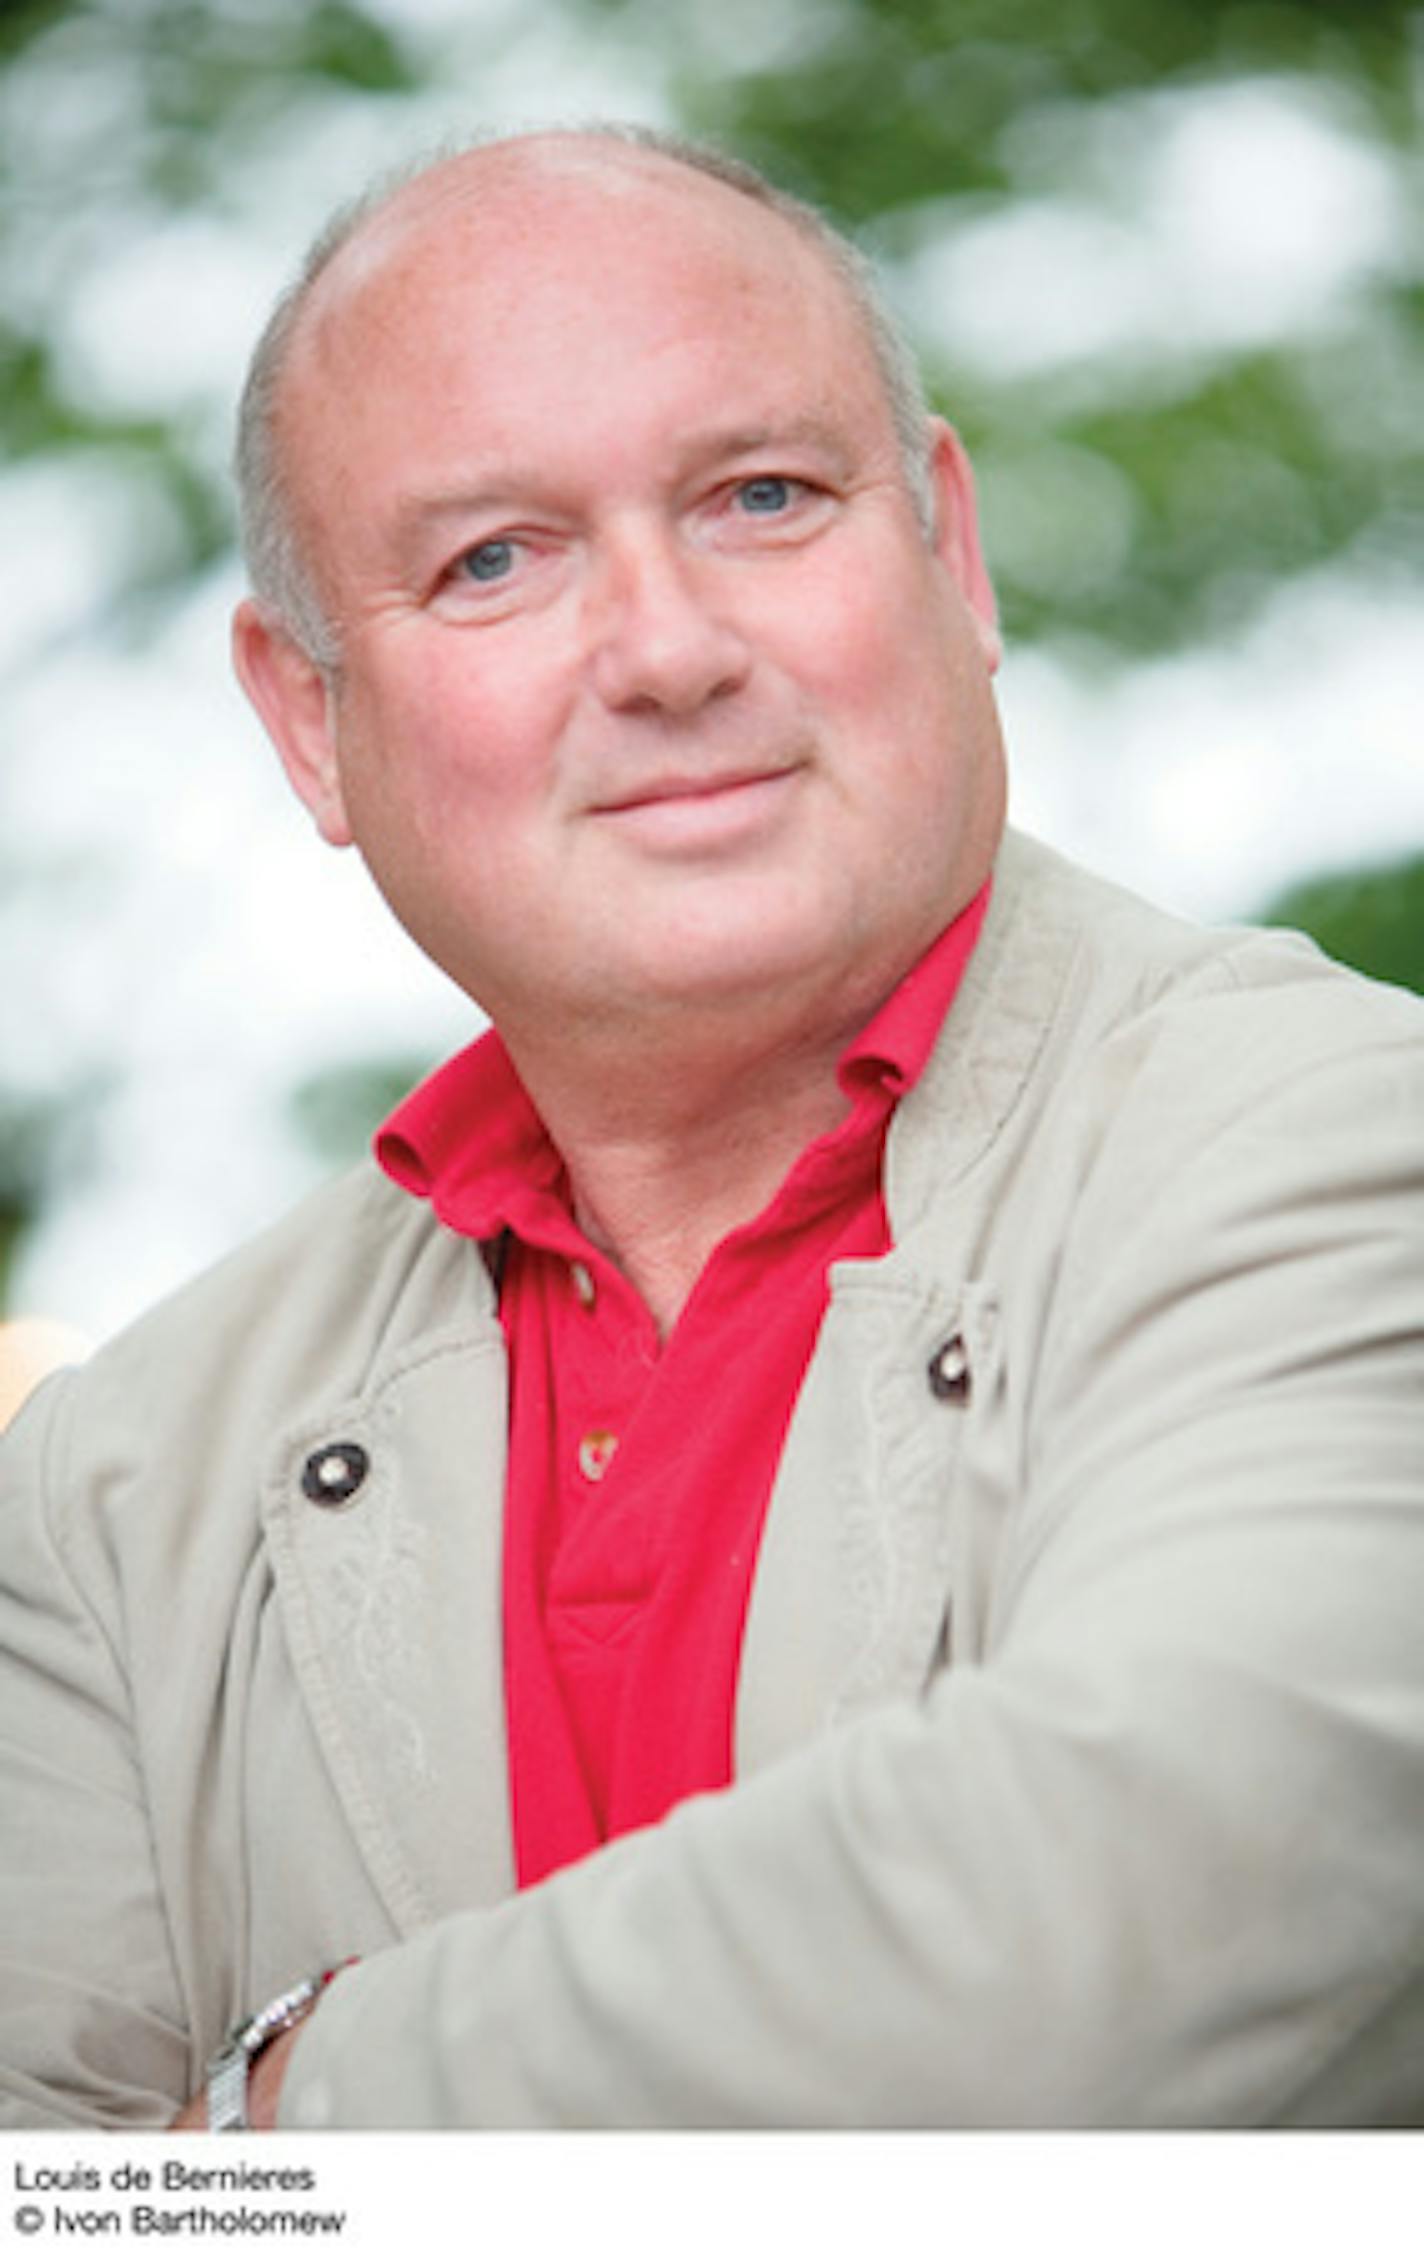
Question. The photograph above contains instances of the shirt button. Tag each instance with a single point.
(596, 1453)
(583, 1283)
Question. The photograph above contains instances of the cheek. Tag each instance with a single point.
(443, 750)
(919, 730)
(894, 677)
(865, 621)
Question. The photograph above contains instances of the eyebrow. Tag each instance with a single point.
(755, 438)
(413, 511)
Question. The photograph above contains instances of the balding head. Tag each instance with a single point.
(648, 698)
(507, 178)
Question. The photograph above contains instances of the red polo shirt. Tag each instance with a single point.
(639, 1470)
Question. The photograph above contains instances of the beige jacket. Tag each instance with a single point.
(1080, 1730)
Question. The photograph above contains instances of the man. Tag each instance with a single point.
(835, 1535)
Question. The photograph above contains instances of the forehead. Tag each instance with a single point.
(504, 217)
(568, 274)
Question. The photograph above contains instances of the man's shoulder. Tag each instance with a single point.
(315, 1305)
(1089, 1013)
(1177, 1047)
(1105, 965)
(337, 1251)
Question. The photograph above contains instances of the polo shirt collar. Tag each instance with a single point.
(469, 1139)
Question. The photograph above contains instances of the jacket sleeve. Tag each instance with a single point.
(93, 2030)
(1156, 1859)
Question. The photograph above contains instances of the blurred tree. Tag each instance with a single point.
(116, 118)
(1372, 919)
(37, 1140)
(1147, 494)
(146, 108)
(1153, 491)
(1147, 486)
(338, 1108)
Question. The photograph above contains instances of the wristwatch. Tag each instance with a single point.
(232, 2063)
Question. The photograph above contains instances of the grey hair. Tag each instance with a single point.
(277, 570)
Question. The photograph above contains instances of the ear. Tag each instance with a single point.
(956, 534)
(294, 701)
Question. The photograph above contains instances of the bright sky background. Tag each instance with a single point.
(177, 928)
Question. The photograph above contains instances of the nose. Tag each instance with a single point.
(660, 634)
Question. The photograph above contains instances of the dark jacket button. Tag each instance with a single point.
(332, 1475)
(948, 1371)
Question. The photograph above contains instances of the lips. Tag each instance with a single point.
(701, 815)
(689, 787)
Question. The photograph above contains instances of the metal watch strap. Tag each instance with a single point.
(232, 2063)
(227, 2089)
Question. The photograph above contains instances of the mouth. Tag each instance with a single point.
(675, 789)
(690, 815)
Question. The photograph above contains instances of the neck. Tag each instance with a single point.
(667, 1153)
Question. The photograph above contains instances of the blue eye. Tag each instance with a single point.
(490, 560)
(765, 497)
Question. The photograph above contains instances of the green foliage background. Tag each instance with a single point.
(1242, 469)
(899, 117)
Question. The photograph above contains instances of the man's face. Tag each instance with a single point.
(653, 694)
